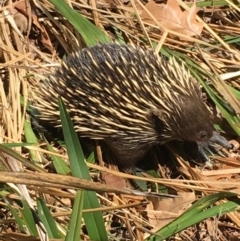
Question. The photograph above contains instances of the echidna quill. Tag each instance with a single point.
(129, 97)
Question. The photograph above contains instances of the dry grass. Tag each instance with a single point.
(33, 43)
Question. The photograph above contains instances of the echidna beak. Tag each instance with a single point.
(220, 140)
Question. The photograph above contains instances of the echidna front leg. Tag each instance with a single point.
(127, 153)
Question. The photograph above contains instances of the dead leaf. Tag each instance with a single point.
(21, 21)
(114, 181)
(171, 17)
(188, 20)
(24, 9)
(166, 210)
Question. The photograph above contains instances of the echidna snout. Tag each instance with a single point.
(127, 96)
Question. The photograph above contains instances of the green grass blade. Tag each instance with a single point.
(22, 144)
(16, 216)
(91, 158)
(235, 92)
(47, 220)
(15, 155)
(28, 219)
(59, 164)
(91, 34)
(211, 3)
(197, 213)
(30, 137)
(94, 221)
(74, 228)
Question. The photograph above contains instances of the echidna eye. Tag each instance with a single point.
(202, 135)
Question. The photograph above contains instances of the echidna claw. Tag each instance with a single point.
(212, 149)
(202, 151)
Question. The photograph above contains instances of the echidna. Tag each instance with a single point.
(130, 97)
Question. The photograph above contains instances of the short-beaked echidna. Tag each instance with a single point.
(130, 97)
